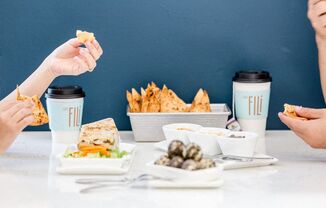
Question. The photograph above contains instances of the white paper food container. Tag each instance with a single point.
(147, 127)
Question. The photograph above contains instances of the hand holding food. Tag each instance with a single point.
(39, 113)
(72, 59)
(311, 130)
(289, 110)
(153, 99)
(14, 117)
(316, 14)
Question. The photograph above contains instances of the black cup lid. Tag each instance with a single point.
(252, 76)
(65, 92)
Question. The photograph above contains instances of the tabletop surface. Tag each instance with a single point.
(28, 179)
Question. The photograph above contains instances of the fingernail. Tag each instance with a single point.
(298, 108)
(30, 119)
(95, 42)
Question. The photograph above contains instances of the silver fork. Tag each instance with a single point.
(103, 183)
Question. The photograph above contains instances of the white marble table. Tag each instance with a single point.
(27, 179)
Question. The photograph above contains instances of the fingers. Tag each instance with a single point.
(17, 106)
(320, 8)
(297, 126)
(98, 46)
(19, 114)
(317, 8)
(25, 122)
(87, 58)
(22, 113)
(313, 2)
(93, 50)
(4, 105)
(74, 42)
(316, 14)
(79, 66)
(309, 113)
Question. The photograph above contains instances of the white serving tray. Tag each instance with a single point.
(148, 126)
(232, 164)
(97, 166)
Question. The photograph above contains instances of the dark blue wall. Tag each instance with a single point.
(186, 44)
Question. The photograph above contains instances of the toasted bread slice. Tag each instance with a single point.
(170, 102)
(201, 102)
(84, 36)
(39, 113)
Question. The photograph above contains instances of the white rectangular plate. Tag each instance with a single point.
(97, 166)
(228, 164)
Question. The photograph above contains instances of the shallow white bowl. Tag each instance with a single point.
(175, 132)
(206, 138)
(99, 162)
(243, 147)
(170, 173)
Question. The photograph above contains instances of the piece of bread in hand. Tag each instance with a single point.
(39, 113)
(289, 110)
(84, 36)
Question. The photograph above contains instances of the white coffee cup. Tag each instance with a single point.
(251, 92)
(65, 108)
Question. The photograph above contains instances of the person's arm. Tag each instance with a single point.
(67, 59)
(35, 84)
(317, 16)
(321, 44)
(14, 117)
(312, 131)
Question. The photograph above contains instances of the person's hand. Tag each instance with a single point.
(317, 16)
(312, 131)
(14, 117)
(72, 59)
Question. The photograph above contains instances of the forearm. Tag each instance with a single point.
(35, 84)
(321, 44)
